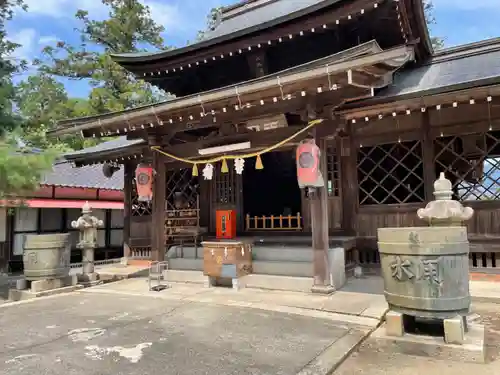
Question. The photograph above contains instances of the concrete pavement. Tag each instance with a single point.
(108, 333)
(375, 358)
(348, 306)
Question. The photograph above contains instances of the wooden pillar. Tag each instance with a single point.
(158, 214)
(349, 181)
(127, 206)
(428, 157)
(319, 225)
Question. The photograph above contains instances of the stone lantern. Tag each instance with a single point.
(87, 224)
(444, 211)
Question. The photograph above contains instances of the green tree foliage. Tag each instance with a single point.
(8, 67)
(42, 100)
(437, 42)
(20, 169)
(212, 20)
(129, 28)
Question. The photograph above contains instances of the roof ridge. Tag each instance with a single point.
(243, 7)
(464, 51)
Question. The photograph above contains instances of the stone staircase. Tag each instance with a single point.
(279, 263)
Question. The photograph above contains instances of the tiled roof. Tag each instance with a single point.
(249, 15)
(239, 20)
(114, 145)
(471, 65)
(91, 176)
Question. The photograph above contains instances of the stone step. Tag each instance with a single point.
(185, 264)
(260, 253)
(283, 254)
(183, 276)
(288, 283)
(283, 268)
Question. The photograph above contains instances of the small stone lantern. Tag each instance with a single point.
(87, 224)
(444, 211)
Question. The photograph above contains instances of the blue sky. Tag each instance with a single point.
(458, 21)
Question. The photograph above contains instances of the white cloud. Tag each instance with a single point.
(26, 38)
(48, 39)
(169, 16)
(163, 13)
(63, 8)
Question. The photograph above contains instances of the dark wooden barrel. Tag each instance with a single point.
(426, 270)
(46, 256)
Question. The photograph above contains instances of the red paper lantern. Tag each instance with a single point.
(144, 182)
(308, 161)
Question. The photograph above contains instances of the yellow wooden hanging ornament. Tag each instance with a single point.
(224, 168)
(258, 163)
(195, 170)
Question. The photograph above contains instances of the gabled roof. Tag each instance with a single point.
(66, 175)
(466, 66)
(239, 20)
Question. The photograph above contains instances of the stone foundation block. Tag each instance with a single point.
(472, 350)
(394, 324)
(454, 330)
(38, 286)
(88, 277)
(322, 289)
(21, 284)
(336, 258)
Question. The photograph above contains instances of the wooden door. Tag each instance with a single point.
(226, 194)
(334, 187)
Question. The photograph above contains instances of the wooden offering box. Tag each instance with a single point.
(227, 259)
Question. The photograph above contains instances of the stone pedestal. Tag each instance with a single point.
(459, 344)
(337, 276)
(26, 289)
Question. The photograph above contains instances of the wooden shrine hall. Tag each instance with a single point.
(361, 79)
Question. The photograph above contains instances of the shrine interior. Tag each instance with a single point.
(273, 190)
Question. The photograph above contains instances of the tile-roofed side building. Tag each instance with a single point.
(470, 65)
(109, 146)
(64, 174)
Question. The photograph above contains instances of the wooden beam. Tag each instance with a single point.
(428, 157)
(300, 75)
(257, 63)
(158, 214)
(319, 225)
(415, 103)
(257, 139)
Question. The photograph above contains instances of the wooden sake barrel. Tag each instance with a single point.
(46, 256)
(426, 270)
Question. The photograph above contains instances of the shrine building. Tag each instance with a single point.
(358, 77)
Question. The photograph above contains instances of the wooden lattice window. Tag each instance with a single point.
(140, 208)
(333, 171)
(225, 186)
(472, 163)
(183, 190)
(391, 173)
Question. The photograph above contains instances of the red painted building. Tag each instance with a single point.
(56, 204)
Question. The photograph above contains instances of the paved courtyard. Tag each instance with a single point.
(94, 333)
(374, 358)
